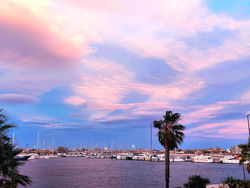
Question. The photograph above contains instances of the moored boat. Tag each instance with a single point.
(161, 158)
(231, 160)
(177, 159)
(135, 157)
(141, 157)
(118, 157)
(155, 158)
(203, 159)
(22, 157)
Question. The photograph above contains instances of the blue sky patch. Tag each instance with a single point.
(239, 9)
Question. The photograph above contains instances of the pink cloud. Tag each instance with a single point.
(206, 112)
(226, 129)
(169, 17)
(227, 102)
(26, 39)
(34, 55)
(105, 92)
(127, 24)
(75, 100)
(130, 111)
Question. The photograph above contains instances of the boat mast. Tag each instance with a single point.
(44, 147)
(151, 136)
(13, 139)
(53, 143)
(37, 142)
(112, 147)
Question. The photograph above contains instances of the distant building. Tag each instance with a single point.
(235, 149)
(180, 151)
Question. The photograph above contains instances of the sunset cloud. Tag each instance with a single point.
(201, 113)
(236, 129)
(28, 40)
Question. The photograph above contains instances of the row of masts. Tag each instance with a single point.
(53, 141)
(38, 142)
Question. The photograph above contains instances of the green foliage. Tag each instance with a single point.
(196, 182)
(236, 183)
(245, 154)
(9, 175)
(170, 133)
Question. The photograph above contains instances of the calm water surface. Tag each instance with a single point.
(107, 173)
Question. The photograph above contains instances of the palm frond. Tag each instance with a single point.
(158, 124)
(170, 133)
(9, 174)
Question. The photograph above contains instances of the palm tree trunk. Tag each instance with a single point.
(167, 170)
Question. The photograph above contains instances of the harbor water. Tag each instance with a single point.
(112, 173)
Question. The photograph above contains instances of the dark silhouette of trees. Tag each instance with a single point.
(9, 174)
(236, 183)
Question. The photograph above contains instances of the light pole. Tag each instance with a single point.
(151, 136)
(248, 124)
(248, 138)
(151, 127)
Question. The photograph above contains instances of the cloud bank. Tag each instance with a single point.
(119, 62)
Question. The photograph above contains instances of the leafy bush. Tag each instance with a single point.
(196, 182)
(236, 183)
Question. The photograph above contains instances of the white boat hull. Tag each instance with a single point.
(203, 159)
(233, 161)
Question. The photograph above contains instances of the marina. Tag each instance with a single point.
(146, 156)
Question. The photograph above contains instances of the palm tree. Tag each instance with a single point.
(9, 174)
(245, 154)
(170, 134)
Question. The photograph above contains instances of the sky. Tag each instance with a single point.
(99, 72)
